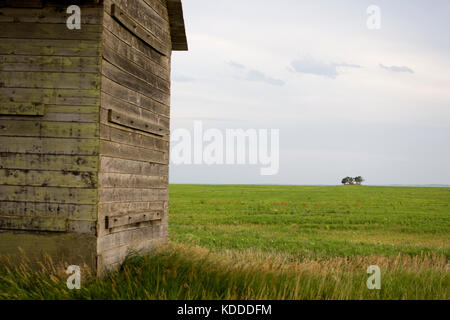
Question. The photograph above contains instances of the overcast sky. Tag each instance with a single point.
(347, 100)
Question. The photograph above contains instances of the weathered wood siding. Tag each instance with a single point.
(134, 128)
(49, 119)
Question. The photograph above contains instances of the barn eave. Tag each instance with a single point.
(177, 29)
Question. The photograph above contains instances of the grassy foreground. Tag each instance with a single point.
(277, 242)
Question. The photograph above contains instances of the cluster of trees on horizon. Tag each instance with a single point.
(352, 181)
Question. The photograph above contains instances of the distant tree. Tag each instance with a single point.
(359, 180)
(347, 180)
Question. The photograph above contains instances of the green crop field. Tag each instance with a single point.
(278, 242)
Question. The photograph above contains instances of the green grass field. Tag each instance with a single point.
(278, 242)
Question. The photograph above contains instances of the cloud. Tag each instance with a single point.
(397, 68)
(347, 65)
(180, 78)
(311, 66)
(255, 75)
(235, 65)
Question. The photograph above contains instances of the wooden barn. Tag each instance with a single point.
(84, 126)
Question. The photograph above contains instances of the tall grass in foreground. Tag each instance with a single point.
(191, 272)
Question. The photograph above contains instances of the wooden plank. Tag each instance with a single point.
(159, 7)
(53, 224)
(127, 65)
(128, 238)
(135, 123)
(113, 149)
(133, 83)
(139, 30)
(146, 15)
(73, 97)
(33, 223)
(36, 128)
(136, 139)
(22, 109)
(110, 102)
(48, 194)
(79, 249)
(55, 146)
(137, 57)
(123, 208)
(57, 210)
(134, 194)
(116, 254)
(60, 47)
(70, 179)
(112, 222)
(116, 165)
(23, 3)
(49, 80)
(81, 226)
(28, 63)
(48, 162)
(48, 31)
(90, 15)
(122, 34)
(122, 93)
(121, 180)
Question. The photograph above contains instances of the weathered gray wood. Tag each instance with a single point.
(121, 92)
(60, 47)
(48, 194)
(139, 30)
(114, 149)
(112, 222)
(84, 124)
(24, 108)
(52, 129)
(48, 162)
(117, 165)
(27, 63)
(133, 83)
(41, 209)
(48, 31)
(132, 195)
(135, 123)
(54, 146)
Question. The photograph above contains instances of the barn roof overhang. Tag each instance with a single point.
(177, 29)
